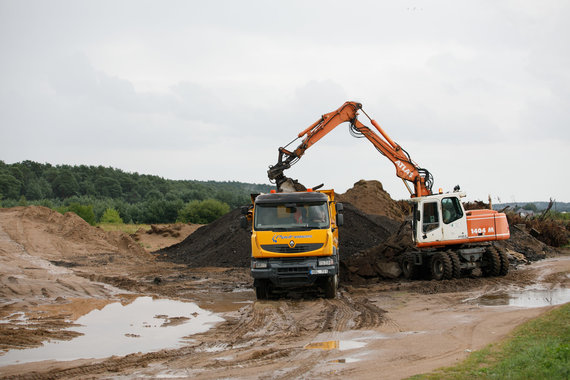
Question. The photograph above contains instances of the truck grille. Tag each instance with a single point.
(284, 248)
(293, 270)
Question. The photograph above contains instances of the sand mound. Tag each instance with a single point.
(370, 197)
(160, 236)
(47, 234)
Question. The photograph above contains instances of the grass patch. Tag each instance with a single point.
(124, 227)
(538, 349)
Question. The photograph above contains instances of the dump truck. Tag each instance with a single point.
(294, 241)
(449, 241)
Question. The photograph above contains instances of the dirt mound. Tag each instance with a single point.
(371, 198)
(160, 236)
(48, 234)
(224, 243)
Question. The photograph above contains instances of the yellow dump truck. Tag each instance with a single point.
(294, 241)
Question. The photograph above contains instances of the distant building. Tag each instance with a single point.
(525, 213)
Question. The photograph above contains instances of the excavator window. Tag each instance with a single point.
(451, 210)
(431, 217)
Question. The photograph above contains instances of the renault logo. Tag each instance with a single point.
(291, 244)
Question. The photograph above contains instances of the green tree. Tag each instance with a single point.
(202, 212)
(85, 212)
(10, 186)
(530, 207)
(109, 187)
(34, 190)
(65, 185)
(111, 216)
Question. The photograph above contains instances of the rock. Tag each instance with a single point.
(388, 269)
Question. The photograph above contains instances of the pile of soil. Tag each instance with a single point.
(159, 236)
(224, 243)
(50, 235)
(370, 197)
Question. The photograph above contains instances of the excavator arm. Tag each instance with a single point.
(406, 169)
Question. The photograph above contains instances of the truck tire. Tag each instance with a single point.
(455, 264)
(504, 262)
(410, 270)
(491, 262)
(440, 266)
(331, 284)
(262, 291)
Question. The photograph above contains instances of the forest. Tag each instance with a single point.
(97, 191)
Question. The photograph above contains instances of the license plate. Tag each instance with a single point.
(319, 271)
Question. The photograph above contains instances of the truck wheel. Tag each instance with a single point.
(455, 264)
(410, 270)
(262, 291)
(491, 265)
(440, 266)
(331, 285)
(504, 262)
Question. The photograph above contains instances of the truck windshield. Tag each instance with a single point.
(288, 217)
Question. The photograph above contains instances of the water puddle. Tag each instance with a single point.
(526, 298)
(344, 360)
(335, 345)
(143, 325)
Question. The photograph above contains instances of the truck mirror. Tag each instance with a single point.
(243, 222)
(244, 210)
(339, 207)
(339, 220)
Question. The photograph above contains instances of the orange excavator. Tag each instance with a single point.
(449, 240)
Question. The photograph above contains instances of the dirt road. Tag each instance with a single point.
(387, 330)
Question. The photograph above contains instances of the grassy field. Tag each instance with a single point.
(539, 349)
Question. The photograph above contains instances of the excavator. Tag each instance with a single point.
(449, 241)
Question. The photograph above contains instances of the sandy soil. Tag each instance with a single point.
(164, 235)
(56, 268)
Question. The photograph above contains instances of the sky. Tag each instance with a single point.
(477, 92)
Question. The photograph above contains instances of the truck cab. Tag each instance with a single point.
(294, 241)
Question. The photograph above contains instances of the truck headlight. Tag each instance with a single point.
(259, 264)
(326, 262)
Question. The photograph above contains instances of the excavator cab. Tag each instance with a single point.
(439, 219)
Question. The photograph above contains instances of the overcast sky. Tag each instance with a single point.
(478, 92)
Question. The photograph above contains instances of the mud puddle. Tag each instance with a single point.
(527, 298)
(143, 325)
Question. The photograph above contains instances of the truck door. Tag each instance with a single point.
(431, 222)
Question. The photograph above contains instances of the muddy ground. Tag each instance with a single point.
(56, 268)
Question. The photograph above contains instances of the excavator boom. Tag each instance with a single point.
(406, 169)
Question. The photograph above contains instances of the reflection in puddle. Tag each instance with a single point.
(345, 360)
(144, 325)
(335, 345)
(526, 298)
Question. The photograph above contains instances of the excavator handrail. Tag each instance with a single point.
(406, 169)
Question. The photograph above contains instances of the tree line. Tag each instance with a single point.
(90, 191)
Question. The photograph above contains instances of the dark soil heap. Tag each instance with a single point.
(224, 243)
